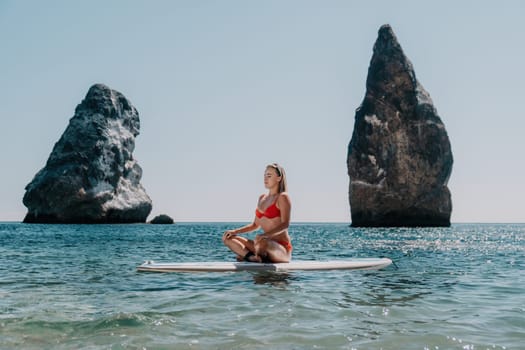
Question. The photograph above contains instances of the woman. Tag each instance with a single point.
(272, 215)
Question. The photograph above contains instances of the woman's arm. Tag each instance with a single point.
(245, 229)
(248, 228)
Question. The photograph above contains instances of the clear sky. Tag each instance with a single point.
(225, 87)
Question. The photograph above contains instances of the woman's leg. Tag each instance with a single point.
(268, 249)
(277, 253)
(239, 245)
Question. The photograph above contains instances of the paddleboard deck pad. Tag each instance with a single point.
(304, 265)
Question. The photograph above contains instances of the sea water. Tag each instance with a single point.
(76, 287)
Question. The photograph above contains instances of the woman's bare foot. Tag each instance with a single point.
(249, 257)
(254, 258)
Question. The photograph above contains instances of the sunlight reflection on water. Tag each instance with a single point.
(73, 286)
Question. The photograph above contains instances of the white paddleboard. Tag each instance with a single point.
(304, 265)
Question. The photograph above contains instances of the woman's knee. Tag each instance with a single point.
(278, 253)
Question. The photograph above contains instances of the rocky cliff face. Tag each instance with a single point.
(399, 158)
(91, 176)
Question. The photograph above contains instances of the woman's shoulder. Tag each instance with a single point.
(284, 196)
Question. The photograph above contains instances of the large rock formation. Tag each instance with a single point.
(91, 176)
(399, 159)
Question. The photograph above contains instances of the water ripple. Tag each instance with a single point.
(75, 286)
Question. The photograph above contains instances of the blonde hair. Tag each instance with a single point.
(283, 186)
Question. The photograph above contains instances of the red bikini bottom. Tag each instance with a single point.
(287, 245)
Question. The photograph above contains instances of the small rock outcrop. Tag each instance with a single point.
(399, 158)
(91, 176)
(162, 219)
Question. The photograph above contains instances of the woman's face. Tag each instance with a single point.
(271, 178)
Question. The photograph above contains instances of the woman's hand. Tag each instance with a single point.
(229, 234)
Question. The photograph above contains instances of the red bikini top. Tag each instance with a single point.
(271, 212)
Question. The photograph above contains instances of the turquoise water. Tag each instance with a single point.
(76, 287)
